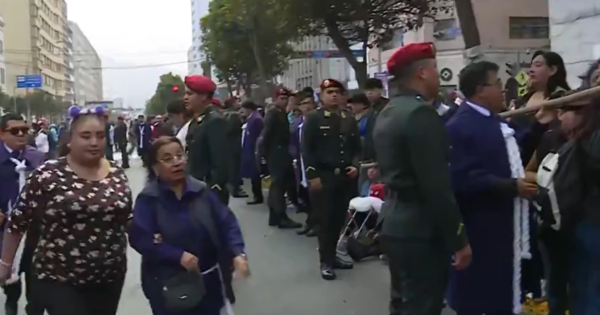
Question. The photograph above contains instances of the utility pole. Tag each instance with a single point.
(469, 29)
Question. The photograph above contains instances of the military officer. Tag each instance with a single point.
(422, 225)
(234, 140)
(330, 150)
(206, 142)
(274, 148)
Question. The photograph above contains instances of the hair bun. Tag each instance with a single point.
(99, 110)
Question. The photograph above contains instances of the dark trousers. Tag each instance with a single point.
(142, 154)
(556, 246)
(331, 206)
(66, 299)
(223, 194)
(304, 195)
(13, 294)
(585, 270)
(256, 184)
(124, 155)
(281, 182)
(419, 275)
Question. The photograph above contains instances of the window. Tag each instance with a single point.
(529, 28)
(2, 76)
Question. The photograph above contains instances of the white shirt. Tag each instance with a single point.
(41, 142)
(182, 133)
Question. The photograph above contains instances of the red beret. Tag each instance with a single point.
(331, 83)
(216, 101)
(410, 53)
(200, 84)
(282, 91)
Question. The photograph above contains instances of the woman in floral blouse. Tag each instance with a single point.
(84, 203)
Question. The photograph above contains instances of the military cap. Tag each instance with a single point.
(410, 53)
(216, 101)
(331, 83)
(282, 91)
(200, 84)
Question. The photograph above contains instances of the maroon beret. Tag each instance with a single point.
(282, 91)
(216, 101)
(410, 53)
(331, 83)
(200, 84)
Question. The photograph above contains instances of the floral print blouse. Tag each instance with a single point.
(83, 223)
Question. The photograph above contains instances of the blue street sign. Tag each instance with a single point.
(29, 81)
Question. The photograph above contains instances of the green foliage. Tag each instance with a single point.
(229, 31)
(164, 94)
(369, 22)
(39, 103)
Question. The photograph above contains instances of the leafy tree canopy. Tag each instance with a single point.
(165, 94)
(369, 22)
(38, 102)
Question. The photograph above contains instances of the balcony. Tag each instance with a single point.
(69, 91)
(69, 77)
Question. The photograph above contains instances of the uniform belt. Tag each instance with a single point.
(334, 170)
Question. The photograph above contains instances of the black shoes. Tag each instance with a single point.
(255, 202)
(288, 223)
(307, 231)
(343, 265)
(327, 272)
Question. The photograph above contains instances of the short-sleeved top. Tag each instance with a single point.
(83, 223)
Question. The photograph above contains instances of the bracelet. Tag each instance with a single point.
(5, 264)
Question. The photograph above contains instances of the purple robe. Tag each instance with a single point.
(249, 167)
(481, 176)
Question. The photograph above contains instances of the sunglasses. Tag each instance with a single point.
(18, 130)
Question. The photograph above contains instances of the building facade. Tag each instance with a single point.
(69, 98)
(2, 63)
(510, 30)
(87, 68)
(195, 53)
(307, 72)
(575, 34)
(35, 41)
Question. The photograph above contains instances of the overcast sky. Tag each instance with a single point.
(135, 33)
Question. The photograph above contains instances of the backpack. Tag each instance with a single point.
(561, 190)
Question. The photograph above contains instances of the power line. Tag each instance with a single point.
(120, 67)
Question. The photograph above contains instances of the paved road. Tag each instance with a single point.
(285, 277)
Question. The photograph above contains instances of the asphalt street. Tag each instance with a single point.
(284, 273)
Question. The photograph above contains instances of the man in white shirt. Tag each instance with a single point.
(180, 117)
(41, 138)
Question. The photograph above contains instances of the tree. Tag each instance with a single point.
(365, 22)
(247, 40)
(165, 93)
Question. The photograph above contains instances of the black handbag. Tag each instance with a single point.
(183, 292)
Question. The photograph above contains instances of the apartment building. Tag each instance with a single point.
(35, 42)
(575, 34)
(195, 53)
(69, 71)
(2, 63)
(304, 72)
(510, 30)
(87, 68)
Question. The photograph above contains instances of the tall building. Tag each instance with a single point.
(575, 35)
(2, 64)
(195, 54)
(306, 72)
(510, 30)
(35, 42)
(87, 68)
(69, 71)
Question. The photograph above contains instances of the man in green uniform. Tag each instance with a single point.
(234, 140)
(422, 226)
(330, 150)
(206, 141)
(275, 149)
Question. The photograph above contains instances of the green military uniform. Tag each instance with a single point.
(234, 141)
(330, 144)
(422, 224)
(207, 151)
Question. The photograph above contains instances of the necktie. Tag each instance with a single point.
(20, 168)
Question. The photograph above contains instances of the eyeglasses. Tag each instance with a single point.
(18, 130)
(172, 159)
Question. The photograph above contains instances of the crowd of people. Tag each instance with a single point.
(483, 210)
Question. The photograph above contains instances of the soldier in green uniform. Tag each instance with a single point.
(275, 149)
(206, 141)
(330, 150)
(422, 226)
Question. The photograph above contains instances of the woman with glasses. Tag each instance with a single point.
(83, 204)
(189, 241)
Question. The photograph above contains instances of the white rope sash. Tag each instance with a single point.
(20, 168)
(521, 238)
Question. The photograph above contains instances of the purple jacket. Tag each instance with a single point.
(248, 163)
